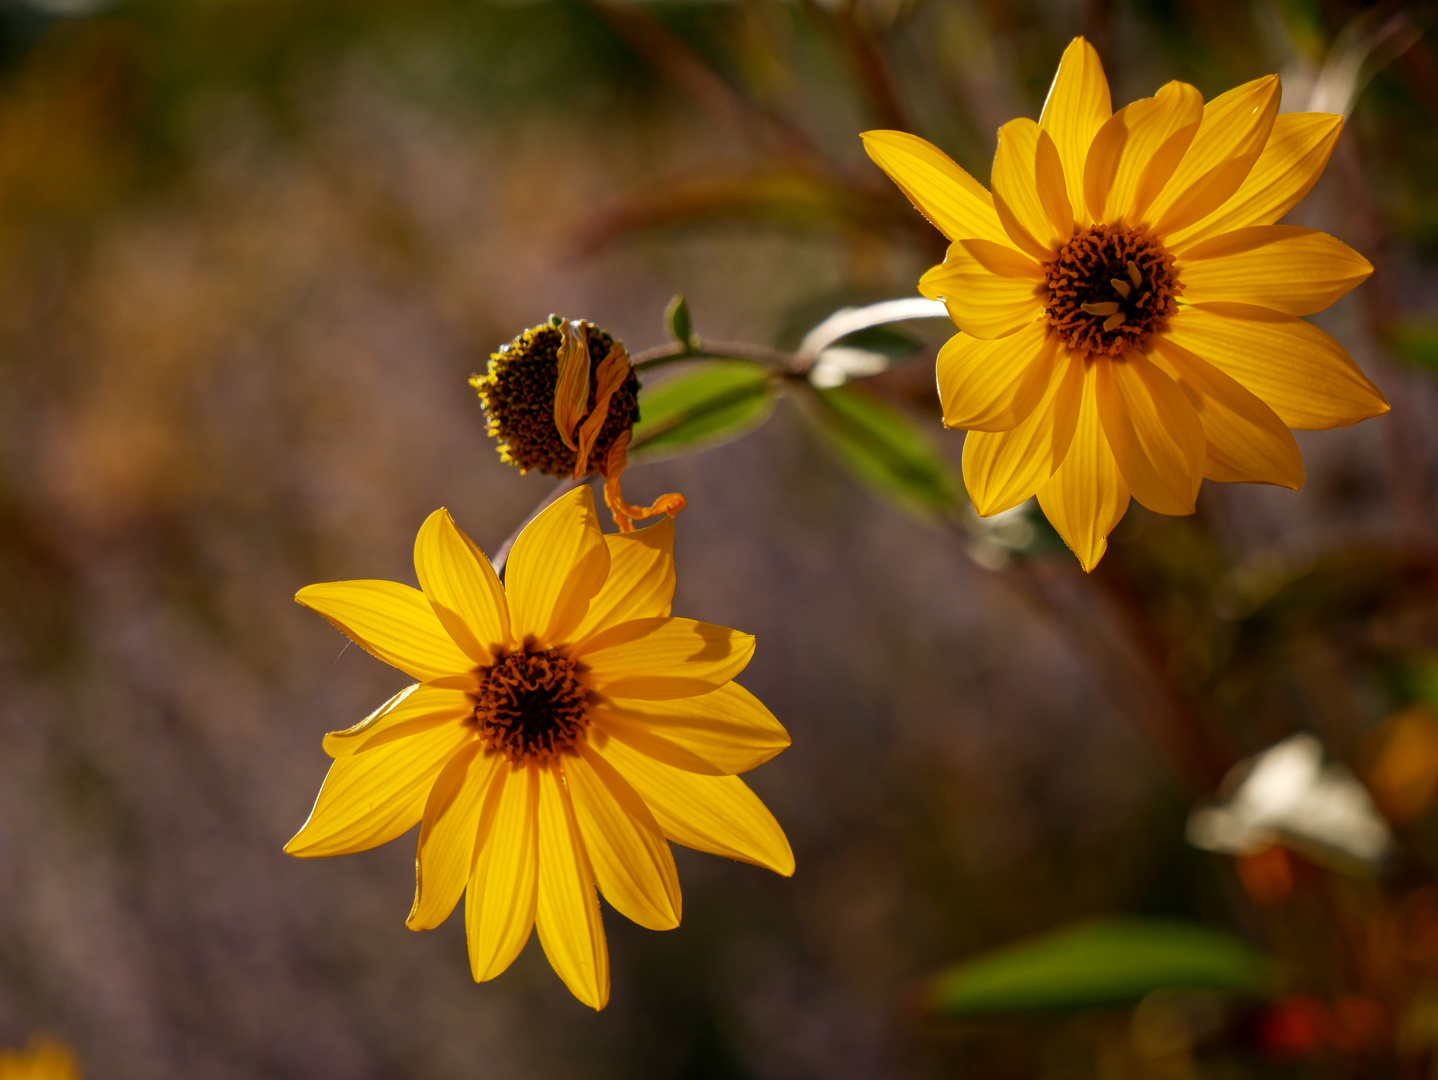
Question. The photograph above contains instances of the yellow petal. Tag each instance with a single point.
(414, 709)
(504, 887)
(1300, 372)
(462, 588)
(1003, 468)
(1245, 440)
(570, 928)
(990, 290)
(994, 385)
(1235, 127)
(722, 732)
(717, 814)
(558, 565)
(664, 658)
(1077, 106)
(958, 205)
(1135, 152)
(449, 833)
(368, 799)
(1053, 194)
(1291, 163)
(641, 579)
(1087, 496)
(1284, 267)
(631, 859)
(1153, 431)
(390, 621)
(1017, 199)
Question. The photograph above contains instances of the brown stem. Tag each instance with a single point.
(675, 352)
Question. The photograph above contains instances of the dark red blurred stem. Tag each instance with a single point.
(1172, 719)
(870, 65)
(1404, 452)
(1100, 619)
(668, 54)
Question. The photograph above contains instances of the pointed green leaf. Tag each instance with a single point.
(708, 405)
(884, 449)
(1107, 962)
(676, 321)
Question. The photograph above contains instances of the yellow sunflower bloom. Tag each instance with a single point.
(1130, 311)
(43, 1059)
(564, 728)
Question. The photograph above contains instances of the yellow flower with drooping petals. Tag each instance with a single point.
(43, 1059)
(1130, 311)
(563, 730)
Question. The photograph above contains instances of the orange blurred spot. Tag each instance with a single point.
(1358, 1024)
(1404, 777)
(1267, 876)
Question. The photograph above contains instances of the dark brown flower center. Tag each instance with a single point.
(1108, 288)
(518, 397)
(531, 706)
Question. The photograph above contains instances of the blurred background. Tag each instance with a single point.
(250, 252)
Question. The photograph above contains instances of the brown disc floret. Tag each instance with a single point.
(1108, 289)
(531, 705)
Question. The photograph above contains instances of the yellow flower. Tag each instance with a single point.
(1129, 310)
(564, 727)
(43, 1059)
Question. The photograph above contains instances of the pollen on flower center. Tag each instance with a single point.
(531, 705)
(1107, 288)
(518, 396)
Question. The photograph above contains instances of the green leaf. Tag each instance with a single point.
(884, 449)
(708, 405)
(1107, 962)
(676, 320)
(1415, 341)
(884, 340)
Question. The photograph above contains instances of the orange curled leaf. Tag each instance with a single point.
(625, 515)
(612, 372)
(571, 388)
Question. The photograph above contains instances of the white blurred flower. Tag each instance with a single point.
(838, 364)
(993, 541)
(834, 364)
(1288, 795)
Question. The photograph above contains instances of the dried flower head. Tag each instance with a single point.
(562, 398)
(518, 394)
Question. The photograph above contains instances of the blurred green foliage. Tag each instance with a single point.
(884, 449)
(1109, 962)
